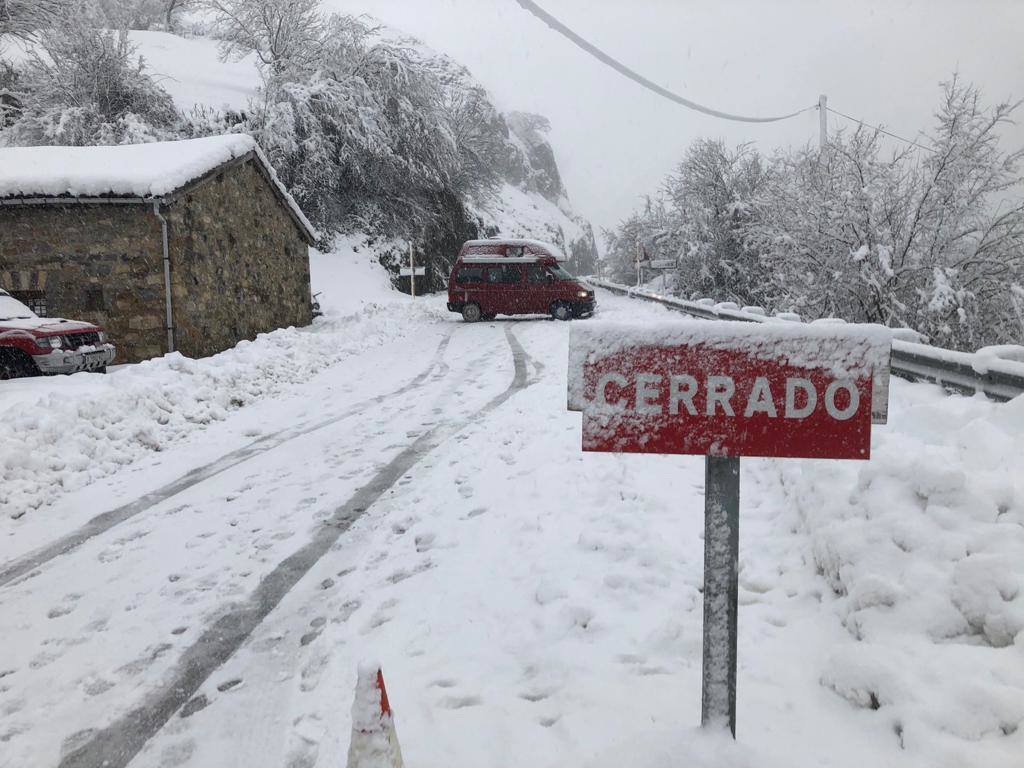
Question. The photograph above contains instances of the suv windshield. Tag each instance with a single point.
(560, 273)
(12, 309)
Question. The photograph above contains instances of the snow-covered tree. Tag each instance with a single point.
(932, 240)
(24, 19)
(928, 238)
(712, 194)
(284, 34)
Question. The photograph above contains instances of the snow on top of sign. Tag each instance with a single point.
(130, 170)
(843, 350)
(525, 242)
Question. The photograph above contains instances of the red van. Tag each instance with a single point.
(515, 277)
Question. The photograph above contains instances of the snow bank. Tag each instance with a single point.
(922, 549)
(63, 433)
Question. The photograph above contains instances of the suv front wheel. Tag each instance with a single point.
(471, 313)
(14, 364)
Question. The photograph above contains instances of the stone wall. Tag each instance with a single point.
(99, 263)
(239, 264)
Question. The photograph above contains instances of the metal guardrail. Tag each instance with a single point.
(963, 372)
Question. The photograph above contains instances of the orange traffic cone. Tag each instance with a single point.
(374, 741)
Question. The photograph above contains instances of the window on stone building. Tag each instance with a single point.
(34, 300)
(94, 299)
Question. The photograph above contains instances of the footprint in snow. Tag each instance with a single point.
(460, 702)
(346, 610)
(96, 686)
(313, 671)
(304, 740)
(401, 574)
(177, 754)
(381, 616)
(317, 626)
(537, 694)
(67, 606)
(193, 705)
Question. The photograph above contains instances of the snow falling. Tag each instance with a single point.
(216, 561)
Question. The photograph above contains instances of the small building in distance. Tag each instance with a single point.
(187, 245)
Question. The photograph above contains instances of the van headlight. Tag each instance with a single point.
(53, 342)
(102, 336)
(583, 294)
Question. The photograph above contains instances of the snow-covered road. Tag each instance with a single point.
(425, 503)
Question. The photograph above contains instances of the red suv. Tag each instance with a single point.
(30, 345)
(515, 277)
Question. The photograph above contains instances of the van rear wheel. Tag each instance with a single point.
(471, 313)
(561, 311)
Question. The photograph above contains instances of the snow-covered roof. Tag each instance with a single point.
(534, 245)
(147, 171)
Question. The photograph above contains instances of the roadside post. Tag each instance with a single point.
(725, 390)
(663, 265)
(411, 272)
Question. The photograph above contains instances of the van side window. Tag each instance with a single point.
(536, 273)
(515, 251)
(469, 275)
(507, 273)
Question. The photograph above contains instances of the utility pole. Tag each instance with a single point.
(822, 126)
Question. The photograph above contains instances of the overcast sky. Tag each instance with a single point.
(878, 60)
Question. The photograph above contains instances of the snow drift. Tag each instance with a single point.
(922, 550)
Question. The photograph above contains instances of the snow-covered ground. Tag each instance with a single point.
(63, 433)
(406, 487)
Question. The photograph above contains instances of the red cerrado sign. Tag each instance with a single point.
(728, 389)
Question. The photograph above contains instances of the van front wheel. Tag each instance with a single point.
(471, 313)
(561, 311)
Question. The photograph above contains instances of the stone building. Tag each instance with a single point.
(186, 245)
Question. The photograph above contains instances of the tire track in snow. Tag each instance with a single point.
(116, 745)
(26, 564)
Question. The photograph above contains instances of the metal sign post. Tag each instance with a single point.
(411, 272)
(721, 564)
(725, 390)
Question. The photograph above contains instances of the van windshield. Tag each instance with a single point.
(559, 273)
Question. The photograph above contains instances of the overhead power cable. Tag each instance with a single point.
(621, 68)
(880, 129)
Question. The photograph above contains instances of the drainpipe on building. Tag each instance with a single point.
(167, 276)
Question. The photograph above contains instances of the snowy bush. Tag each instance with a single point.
(82, 86)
